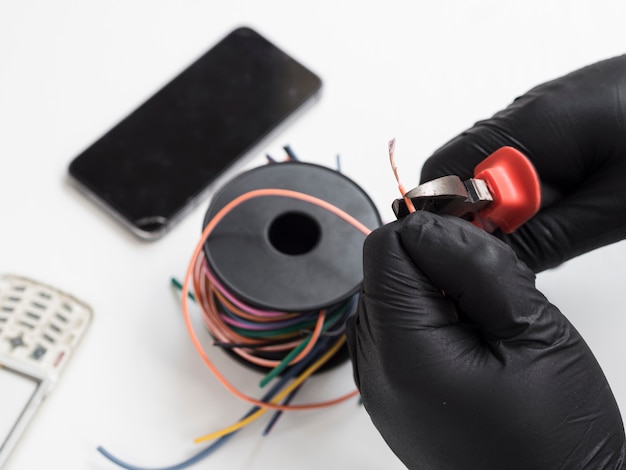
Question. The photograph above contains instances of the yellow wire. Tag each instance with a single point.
(301, 378)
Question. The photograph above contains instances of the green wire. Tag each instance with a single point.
(294, 352)
(284, 363)
(176, 283)
(272, 333)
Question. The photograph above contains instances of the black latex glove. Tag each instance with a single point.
(489, 375)
(574, 131)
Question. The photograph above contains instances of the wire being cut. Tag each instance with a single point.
(401, 188)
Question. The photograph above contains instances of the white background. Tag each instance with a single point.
(417, 71)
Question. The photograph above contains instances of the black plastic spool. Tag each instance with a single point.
(279, 253)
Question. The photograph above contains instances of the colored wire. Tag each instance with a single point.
(286, 391)
(409, 203)
(176, 283)
(201, 289)
(328, 332)
(222, 440)
(217, 324)
(305, 344)
(290, 153)
(278, 413)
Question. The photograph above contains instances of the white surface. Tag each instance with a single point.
(417, 71)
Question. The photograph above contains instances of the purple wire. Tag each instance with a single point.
(260, 326)
(238, 303)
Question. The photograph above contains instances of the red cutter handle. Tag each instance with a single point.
(514, 186)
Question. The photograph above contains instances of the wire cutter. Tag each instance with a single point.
(503, 194)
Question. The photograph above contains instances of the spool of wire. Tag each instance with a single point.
(280, 273)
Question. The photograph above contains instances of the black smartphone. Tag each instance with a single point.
(159, 161)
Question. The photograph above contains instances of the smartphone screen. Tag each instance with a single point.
(157, 163)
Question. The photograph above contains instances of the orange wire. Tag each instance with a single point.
(243, 314)
(219, 329)
(314, 337)
(225, 334)
(407, 200)
(192, 264)
(232, 307)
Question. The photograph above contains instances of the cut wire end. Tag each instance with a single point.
(409, 203)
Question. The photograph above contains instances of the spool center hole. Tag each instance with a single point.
(294, 233)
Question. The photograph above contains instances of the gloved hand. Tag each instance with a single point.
(574, 131)
(489, 375)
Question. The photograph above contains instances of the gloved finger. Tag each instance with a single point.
(483, 276)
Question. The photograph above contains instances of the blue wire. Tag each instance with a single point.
(290, 153)
(289, 374)
(278, 413)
